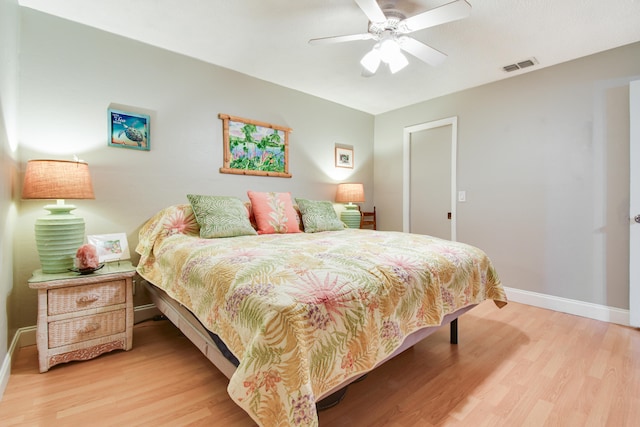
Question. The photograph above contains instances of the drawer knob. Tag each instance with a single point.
(87, 299)
(91, 327)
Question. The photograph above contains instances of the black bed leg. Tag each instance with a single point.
(454, 331)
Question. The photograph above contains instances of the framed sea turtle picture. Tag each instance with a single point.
(129, 130)
(254, 148)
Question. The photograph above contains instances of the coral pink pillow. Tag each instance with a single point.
(274, 212)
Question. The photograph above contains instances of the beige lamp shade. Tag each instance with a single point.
(59, 234)
(57, 179)
(350, 193)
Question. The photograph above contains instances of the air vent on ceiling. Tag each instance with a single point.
(520, 65)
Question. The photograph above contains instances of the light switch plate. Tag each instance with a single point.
(462, 196)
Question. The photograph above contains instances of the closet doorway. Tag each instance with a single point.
(429, 182)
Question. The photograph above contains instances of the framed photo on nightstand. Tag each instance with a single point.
(110, 247)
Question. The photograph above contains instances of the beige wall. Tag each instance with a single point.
(543, 158)
(9, 34)
(70, 74)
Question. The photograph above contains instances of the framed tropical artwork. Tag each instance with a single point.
(254, 148)
(129, 130)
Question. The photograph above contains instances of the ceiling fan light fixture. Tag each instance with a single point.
(371, 61)
(389, 50)
(391, 54)
(398, 62)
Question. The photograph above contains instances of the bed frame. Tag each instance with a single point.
(198, 335)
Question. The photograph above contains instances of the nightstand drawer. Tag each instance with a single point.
(77, 298)
(85, 328)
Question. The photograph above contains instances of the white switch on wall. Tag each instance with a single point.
(462, 196)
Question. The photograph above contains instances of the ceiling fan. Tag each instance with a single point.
(388, 26)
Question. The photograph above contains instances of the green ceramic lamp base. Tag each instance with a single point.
(58, 237)
(351, 216)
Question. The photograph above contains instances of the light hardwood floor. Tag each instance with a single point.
(516, 366)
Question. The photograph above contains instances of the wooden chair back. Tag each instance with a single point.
(368, 219)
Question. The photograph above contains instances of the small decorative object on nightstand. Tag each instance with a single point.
(350, 193)
(83, 316)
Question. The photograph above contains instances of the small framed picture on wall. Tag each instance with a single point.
(344, 157)
(129, 130)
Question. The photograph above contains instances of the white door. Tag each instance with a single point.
(634, 204)
(450, 128)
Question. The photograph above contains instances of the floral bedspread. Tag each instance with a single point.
(303, 312)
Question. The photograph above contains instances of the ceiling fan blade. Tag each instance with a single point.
(341, 39)
(455, 10)
(372, 10)
(421, 51)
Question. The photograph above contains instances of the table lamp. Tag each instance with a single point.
(59, 234)
(350, 193)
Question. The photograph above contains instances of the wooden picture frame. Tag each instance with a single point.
(254, 148)
(344, 157)
(110, 247)
(129, 130)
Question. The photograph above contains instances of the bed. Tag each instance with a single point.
(305, 313)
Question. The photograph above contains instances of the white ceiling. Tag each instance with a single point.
(267, 39)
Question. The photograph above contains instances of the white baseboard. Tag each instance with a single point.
(23, 337)
(145, 312)
(5, 371)
(565, 305)
(4, 374)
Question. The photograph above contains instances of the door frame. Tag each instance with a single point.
(406, 175)
(634, 202)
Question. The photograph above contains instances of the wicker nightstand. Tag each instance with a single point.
(83, 316)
